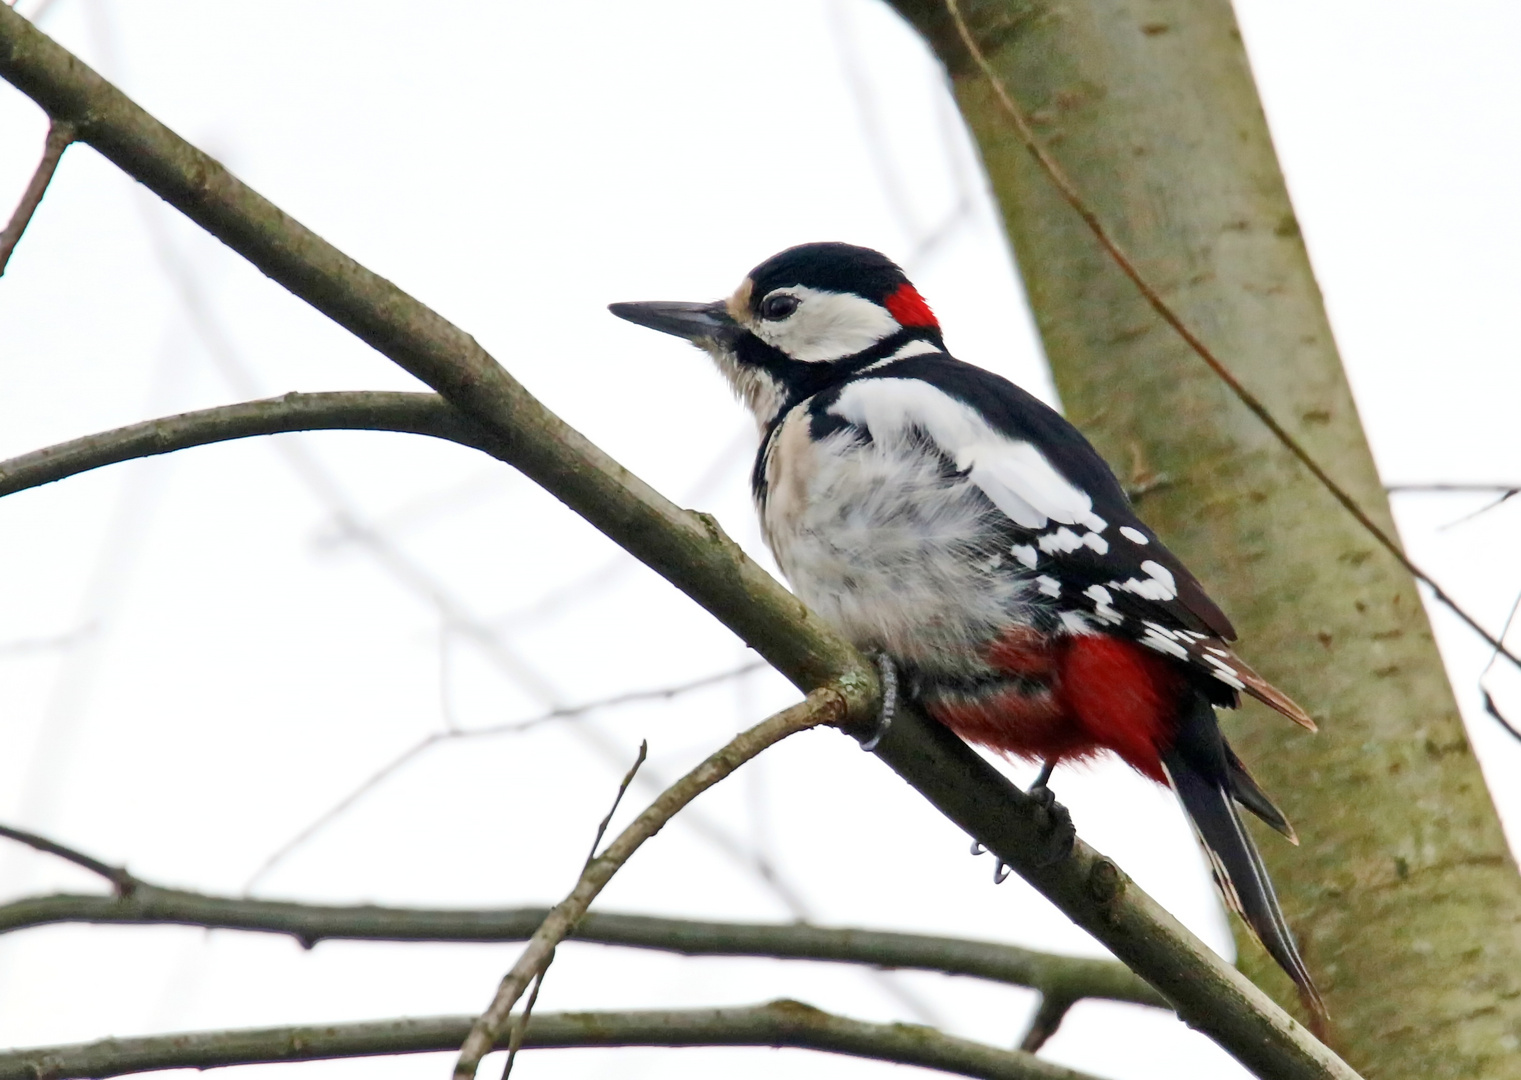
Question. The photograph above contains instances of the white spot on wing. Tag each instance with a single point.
(1075, 622)
(1063, 539)
(1049, 585)
(1224, 672)
(1160, 573)
(1098, 594)
(1135, 536)
(1025, 554)
(1152, 639)
(1158, 586)
(1229, 679)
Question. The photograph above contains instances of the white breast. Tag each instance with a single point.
(876, 538)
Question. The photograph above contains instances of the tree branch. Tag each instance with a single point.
(120, 880)
(362, 410)
(687, 549)
(822, 706)
(777, 1024)
(60, 135)
(1054, 976)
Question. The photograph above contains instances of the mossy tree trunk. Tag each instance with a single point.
(1404, 895)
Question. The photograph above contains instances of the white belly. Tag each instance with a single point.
(898, 556)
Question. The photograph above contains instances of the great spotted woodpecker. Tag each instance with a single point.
(939, 515)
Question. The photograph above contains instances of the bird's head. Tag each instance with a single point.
(800, 321)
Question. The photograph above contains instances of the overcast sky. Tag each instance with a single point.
(200, 656)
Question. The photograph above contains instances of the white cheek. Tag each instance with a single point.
(827, 326)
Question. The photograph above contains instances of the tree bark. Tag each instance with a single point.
(1403, 894)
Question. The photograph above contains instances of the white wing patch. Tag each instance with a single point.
(1158, 584)
(1064, 540)
(1013, 474)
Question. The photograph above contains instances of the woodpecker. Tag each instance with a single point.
(938, 515)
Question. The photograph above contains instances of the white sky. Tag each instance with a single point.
(239, 663)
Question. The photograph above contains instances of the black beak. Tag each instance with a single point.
(695, 322)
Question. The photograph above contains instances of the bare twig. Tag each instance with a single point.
(1486, 508)
(120, 880)
(628, 778)
(1073, 198)
(1452, 488)
(364, 410)
(60, 135)
(823, 706)
(520, 1022)
(1489, 700)
(1052, 975)
(449, 734)
(777, 1024)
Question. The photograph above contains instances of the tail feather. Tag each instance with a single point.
(1209, 780)
(1247, 792)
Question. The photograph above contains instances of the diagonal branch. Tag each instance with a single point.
(687, 549)
(777, 1024)
(823, 706)
(60, 135)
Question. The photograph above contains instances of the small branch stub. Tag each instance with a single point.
(60, 134)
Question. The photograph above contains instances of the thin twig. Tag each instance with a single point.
(628, 778)
(1481, 511)
(520, 1023)
(60, 134)
(823, 706)
(517, 727)
(777, 1024)
(1070, 194)
(120, 880)
(309, 924)
(1489, 701)
(1452, 488)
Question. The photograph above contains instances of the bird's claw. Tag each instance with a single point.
(889, 674)
(1053, 819)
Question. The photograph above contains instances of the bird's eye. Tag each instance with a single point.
(778, 306)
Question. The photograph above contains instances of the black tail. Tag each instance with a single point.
(1210, 780)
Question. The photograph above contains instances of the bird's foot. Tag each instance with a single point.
(1053, 819)
(889, 674)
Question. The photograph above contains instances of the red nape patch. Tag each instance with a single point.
(1123, 696)
(909, 308)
